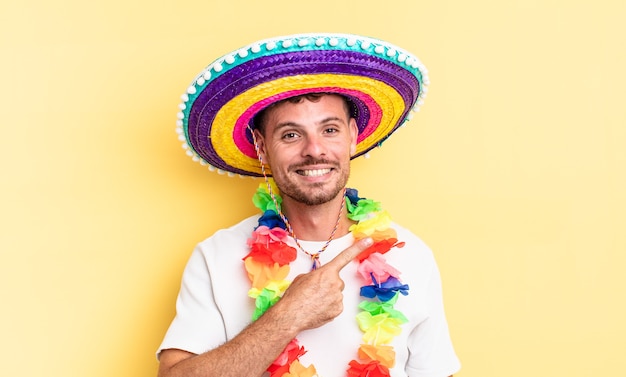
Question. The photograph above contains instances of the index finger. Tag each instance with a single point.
(342, 259)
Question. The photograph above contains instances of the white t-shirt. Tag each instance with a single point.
(213, 305)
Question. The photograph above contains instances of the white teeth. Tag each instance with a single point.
(315, 173)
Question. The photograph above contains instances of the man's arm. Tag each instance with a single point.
(248, 354)
(257, 346)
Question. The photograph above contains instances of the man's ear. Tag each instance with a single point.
(354, 134)
(260, 141)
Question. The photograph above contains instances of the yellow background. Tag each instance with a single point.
(513, 172)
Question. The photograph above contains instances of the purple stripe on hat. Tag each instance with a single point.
(268, 68)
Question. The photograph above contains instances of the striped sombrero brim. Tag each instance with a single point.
(383, 82)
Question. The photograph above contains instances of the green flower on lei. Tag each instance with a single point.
(362, 209)
(263, 200)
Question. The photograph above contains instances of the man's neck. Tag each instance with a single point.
(316, 223)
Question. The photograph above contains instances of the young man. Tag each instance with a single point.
(311, 287)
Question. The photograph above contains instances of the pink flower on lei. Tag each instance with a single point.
(265, 235)
(269, 246)
(376, 265)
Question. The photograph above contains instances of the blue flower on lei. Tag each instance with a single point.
(385, 291)
(271, 220)
(352, 195)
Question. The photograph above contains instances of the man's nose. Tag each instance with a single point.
(314, 146)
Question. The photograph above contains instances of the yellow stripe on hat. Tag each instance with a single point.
(389, 100)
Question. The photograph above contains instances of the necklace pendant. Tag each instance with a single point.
(316, 261)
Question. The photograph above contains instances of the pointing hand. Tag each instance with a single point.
(319, 292)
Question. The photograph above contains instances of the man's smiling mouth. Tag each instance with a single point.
(313, 172)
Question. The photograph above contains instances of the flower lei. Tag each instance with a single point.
(267, 265)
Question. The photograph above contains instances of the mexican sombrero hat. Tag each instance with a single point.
(383, 82)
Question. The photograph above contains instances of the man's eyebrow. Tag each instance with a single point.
(298, 125)
(332, 119)
(287, 124)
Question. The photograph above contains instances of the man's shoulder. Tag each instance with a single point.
(227, 243)
(406, 235)
(412, 243)
(237, 232)
(246, 225)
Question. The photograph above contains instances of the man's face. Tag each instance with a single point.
(308, 146)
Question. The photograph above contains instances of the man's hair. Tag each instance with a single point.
(259, 120)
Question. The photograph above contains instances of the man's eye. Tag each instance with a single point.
(331, 130)
(289, 135)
